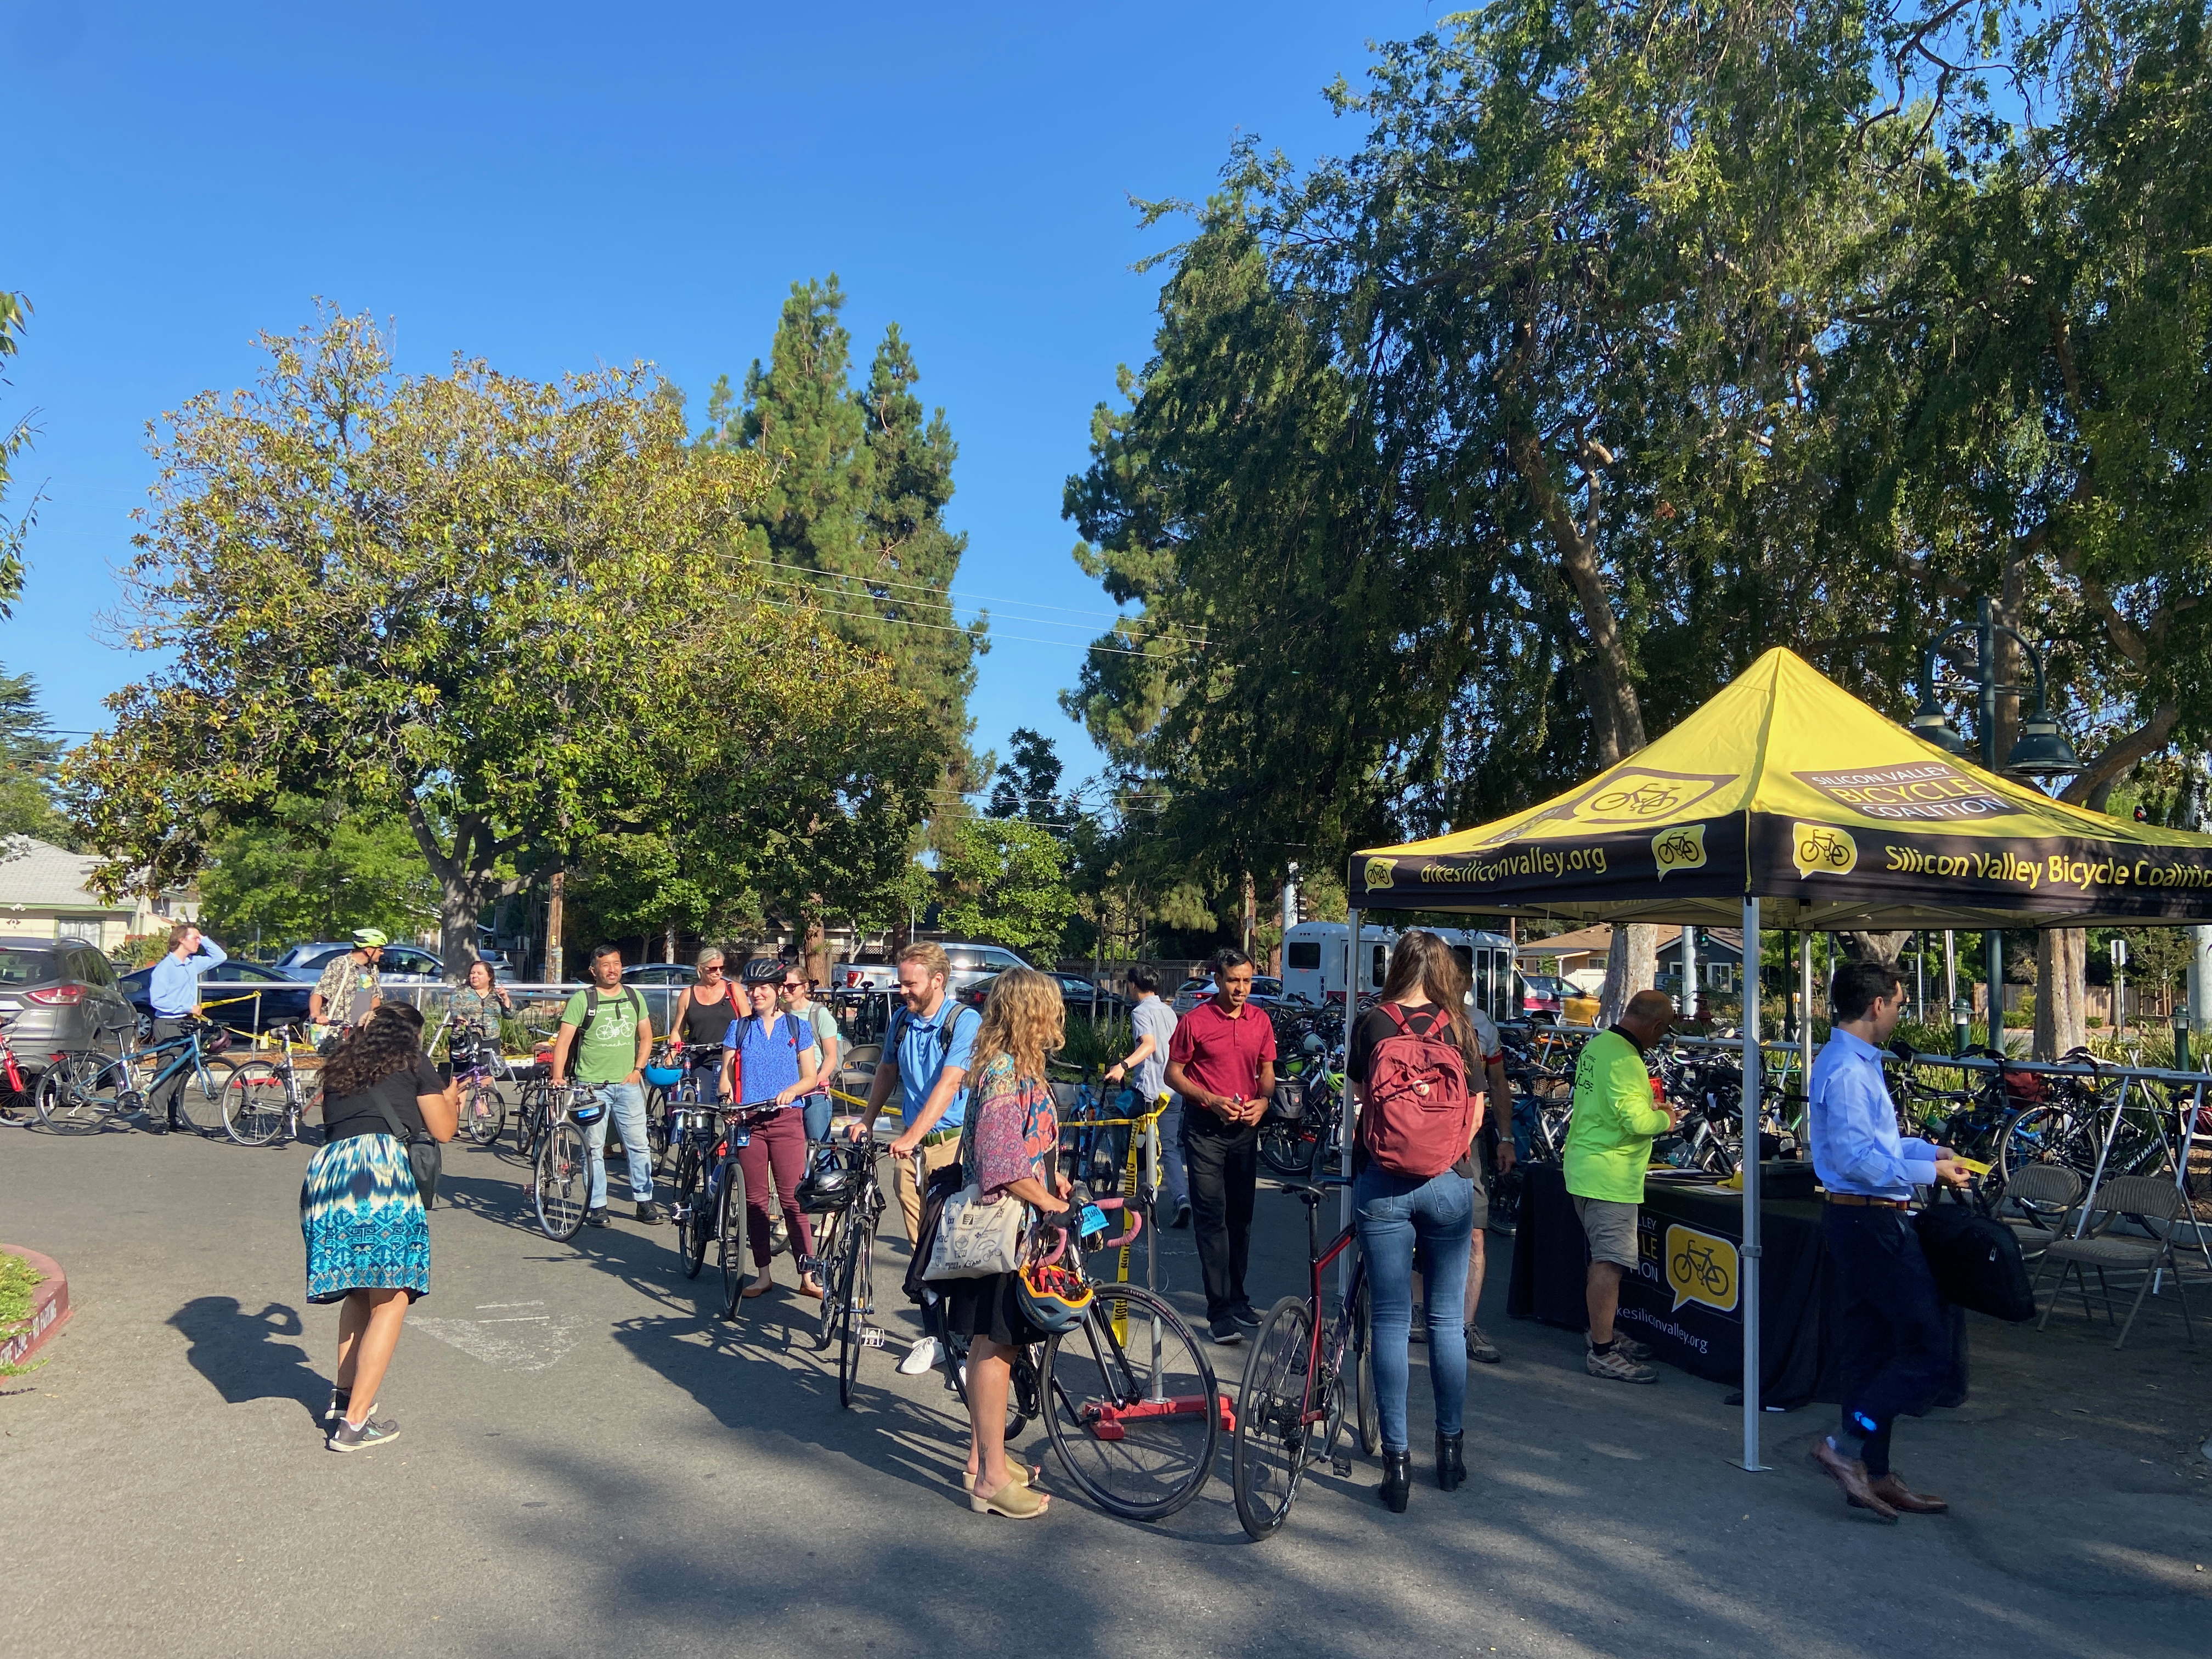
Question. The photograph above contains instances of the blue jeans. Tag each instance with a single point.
(626, 1108)
(1393, 1213)
(818, 1109)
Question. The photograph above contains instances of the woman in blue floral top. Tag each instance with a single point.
(1007, 1148)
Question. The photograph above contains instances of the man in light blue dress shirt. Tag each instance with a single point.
(1892, 1331)
(173, 988)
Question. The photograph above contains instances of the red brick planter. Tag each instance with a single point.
(50, 1307)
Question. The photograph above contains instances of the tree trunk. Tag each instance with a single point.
(2061, 961)
(814, 954)
(1884, 948)
(467, 884)
(1632, 964)
(556, 920)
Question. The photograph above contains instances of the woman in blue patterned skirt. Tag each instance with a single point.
(368, 1240)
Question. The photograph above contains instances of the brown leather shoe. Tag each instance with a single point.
(1894, 1492)
(1850, 1474)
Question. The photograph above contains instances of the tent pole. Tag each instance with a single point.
(1804, 1030)
(1748, 1276)
(1347, 1107)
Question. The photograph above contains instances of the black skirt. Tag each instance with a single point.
(989, 1307)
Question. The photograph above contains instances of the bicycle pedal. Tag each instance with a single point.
(873, 1337)
(1341, 1463)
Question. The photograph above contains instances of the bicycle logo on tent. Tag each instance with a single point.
(1822, 849)
(1636, 795)
(1380, 873)
(1701, 1267)
(1682, 847)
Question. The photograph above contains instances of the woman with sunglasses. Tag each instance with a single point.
(798, 1002)
(702, 1018)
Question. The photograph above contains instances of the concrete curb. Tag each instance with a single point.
(50, 1307)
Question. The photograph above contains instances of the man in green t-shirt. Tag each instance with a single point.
(616, 1040)
(1608, 1148)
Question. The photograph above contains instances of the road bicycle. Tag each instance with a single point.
(846, 1241)
(1292, 1409)
(81, 1089)
(1128, 1398)
(709, 1203)
(264, 1100)
(561, 1182)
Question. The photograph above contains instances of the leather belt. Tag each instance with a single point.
(1870, 1203)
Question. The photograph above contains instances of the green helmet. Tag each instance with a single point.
(370, 938)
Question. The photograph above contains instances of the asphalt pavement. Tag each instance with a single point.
(594, 1461)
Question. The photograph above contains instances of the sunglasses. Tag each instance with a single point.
(794, 985)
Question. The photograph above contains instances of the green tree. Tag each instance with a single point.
(854, 520)
(29, 754)
(316, 870)
(1024, 785)
(508, 611)
(1005, 881)
(15, 311)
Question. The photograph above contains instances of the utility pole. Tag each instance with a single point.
(1251, 917)
(553, 928)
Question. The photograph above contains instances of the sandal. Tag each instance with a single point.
(1028, 1474)
(760, 1286)
(807, 1287)
(1013, 1500)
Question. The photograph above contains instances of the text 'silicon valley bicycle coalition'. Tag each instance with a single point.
(1701, 1267)
(1682, 847)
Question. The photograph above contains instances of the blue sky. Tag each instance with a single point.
(554, 186)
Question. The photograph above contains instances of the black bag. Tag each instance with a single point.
(1976, 1261)
(424, 1158)
(1288, 1103)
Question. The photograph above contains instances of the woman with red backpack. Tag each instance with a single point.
(1413, 1067)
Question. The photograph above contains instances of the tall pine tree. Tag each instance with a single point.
(855, 522)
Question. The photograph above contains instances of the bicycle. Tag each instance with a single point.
(560, 1172)
(720, 1214)
(262, 1099)
(1128, 1398)
(81, 1090)
(1297, 1147)
(1291, 1409)
(695, 1134)
(847, 1262)
(481, 1070)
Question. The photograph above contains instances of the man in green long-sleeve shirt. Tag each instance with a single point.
(1608, 1148)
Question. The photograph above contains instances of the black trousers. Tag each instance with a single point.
(1894, 1336)
(162, 1102)
(1222, 1161)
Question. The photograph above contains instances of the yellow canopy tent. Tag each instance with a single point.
(1787, 788)
(1786, 792)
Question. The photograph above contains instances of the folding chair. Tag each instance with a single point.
(2041, 1197)
(2150, 1201)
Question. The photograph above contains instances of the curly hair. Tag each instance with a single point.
(1025, 1018)
(388, 1041)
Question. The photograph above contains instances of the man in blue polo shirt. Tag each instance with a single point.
(925, 1054)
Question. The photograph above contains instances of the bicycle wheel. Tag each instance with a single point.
(1287, 1150)
(564, 1181)
(656, 1128)
(1269, 1450)
(690, 1201)
(1131, 1405)
(254, 1102)
(77, 1093)
(830, 1233)
(1363, 1361)
(859, 1293)
(199, 1101)
(484, 1112)
(2045, 1135)
(729, 1227)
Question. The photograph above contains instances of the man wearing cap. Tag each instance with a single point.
(1608, 1148)
(351, 987)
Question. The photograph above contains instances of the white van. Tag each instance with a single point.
(1313, 962)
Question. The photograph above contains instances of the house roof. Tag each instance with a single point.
(1597, 939)
(37, 875)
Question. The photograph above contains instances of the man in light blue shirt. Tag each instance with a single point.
(1891, 1330)
(173, 988)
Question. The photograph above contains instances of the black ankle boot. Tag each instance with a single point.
(1397, 1480)
(1451, 1461)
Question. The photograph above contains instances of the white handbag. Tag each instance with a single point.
(975, 1239)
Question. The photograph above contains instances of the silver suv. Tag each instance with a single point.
(58, 995)
(972, 962)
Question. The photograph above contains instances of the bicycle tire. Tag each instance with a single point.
(1269, 1451)
(1286, 1151)
(1093, 1385)
(256, 1103)
(861, 1292)
(484, 1125)
(730, 1229)
(200, 1097)
(692, 1233)
(2042, 1134)
(70, 1098)
(1363, 1340)
(561, 1188)
(830, 1232)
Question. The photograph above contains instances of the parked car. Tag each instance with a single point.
(283, 997)
(1075, 991)
(867, 975)
(57, 995)
(402, 964)
(662, 984)
(1266, 992)
(972, 961)
(1548, 1000)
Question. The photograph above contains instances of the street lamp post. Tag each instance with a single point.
(2040, 751)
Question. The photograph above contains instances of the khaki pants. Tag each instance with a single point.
(913, 1173)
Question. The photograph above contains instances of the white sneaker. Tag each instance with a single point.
(919, 1358)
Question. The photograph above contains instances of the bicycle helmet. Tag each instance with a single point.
(1052, 1299)
(827, 1185)
(762, 970)
(370, 938)
(664, 1077)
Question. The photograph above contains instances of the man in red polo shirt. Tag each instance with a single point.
(1222, 1062)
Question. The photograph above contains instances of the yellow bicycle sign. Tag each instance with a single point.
(1682, 847)
(1701, 1267)
(1822, 849)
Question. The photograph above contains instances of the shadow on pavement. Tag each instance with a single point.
(240, 1354)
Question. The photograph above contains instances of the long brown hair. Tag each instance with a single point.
(1025, 1018)
(1421, 962)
